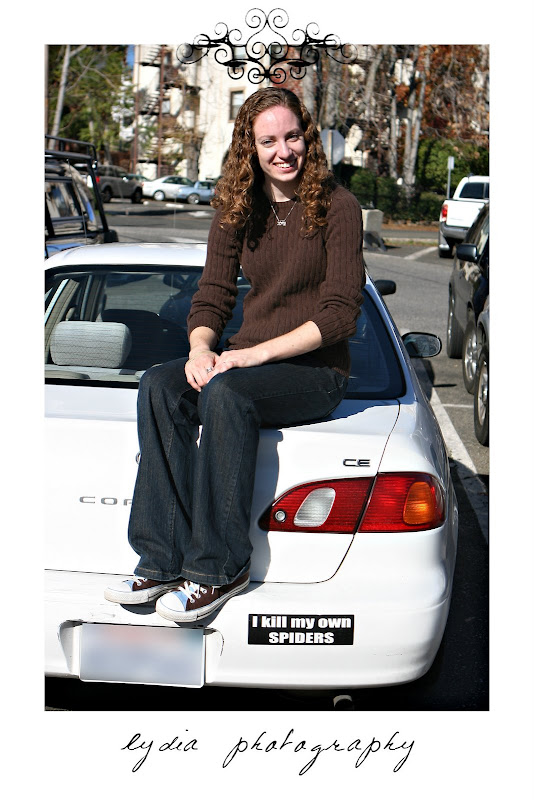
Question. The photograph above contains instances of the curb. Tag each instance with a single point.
(409, 240)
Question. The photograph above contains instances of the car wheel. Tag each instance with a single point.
(454, 333)
(106, 195)
(469, 355)
(159, 195)
(193, 199)
(137, 196)
(445, 253)
(481, 405)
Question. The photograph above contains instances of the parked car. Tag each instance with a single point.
(468, 289)
(136, 176)
(165, 188)
(354, 518)
(481, 391)
(199, 192)
(116, 182)
(74, 214)
(459, 213)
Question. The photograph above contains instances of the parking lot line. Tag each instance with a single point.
(420, 253)
(467, 472)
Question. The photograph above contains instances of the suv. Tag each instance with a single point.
(468, 290)
(115, 182)
(74, 214)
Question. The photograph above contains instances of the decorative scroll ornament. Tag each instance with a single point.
(274, 60)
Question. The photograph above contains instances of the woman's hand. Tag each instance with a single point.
(231, 359)
(201, 357)
(198, 370)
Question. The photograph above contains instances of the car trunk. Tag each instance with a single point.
(91, 449)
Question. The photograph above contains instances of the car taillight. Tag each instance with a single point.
(404, 501)
(323, 507)
(444, 211)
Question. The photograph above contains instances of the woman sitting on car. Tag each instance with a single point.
(298, 238)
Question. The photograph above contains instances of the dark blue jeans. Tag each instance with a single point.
(190, 513)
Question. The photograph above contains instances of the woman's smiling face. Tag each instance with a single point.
(281, 150)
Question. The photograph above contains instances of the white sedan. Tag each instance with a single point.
(354, 518)
(167, 188)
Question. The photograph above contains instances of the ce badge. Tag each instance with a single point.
(356, 462)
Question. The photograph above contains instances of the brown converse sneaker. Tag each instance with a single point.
(192, 601)
(139, 590)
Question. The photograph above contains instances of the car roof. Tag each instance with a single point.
(123, 253)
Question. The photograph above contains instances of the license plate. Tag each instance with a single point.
(142, 654)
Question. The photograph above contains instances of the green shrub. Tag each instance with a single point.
(429, 206)
(432, 161)
(363, 185)
(389, 197)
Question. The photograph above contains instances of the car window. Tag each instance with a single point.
(69, 206)
(475, 191)
(153, 307)
(177, 179)
(482, 234)
(478, 234)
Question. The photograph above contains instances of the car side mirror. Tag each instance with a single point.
(385, 286)
(422, 345)
(467, 252)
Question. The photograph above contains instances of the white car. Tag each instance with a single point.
(167, 188)
(354, 518)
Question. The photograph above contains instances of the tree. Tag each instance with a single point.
(88, 93)
(414, 105)
(63, 85)
(458, 106)
(402, 95)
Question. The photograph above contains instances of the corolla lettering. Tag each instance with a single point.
(106, 501)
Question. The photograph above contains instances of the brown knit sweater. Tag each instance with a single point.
(293, 279)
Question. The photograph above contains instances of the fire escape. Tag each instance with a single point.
(158, 103)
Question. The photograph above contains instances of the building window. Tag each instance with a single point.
(236, 101)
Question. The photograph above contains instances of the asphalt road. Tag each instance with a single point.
(458, 679)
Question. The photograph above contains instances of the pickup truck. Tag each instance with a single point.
(459, 213)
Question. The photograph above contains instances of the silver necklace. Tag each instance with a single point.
(282, 221)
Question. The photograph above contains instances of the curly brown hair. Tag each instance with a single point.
(240, 186)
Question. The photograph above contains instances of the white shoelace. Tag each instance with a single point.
(191, 589)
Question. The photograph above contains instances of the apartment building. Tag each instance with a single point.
(184, 114)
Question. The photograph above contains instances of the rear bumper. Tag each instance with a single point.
(450, 232)
(397, 595)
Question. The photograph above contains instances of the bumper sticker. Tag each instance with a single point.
(278, 629)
